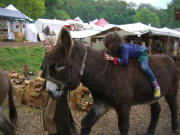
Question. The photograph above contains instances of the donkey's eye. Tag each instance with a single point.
(59, 67)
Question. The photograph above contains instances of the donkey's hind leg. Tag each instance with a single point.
(172, 102)
(96, 111)
(6, 127)
(155, 111)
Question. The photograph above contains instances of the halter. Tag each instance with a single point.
(81, 71)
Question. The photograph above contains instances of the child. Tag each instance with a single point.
(113, 42)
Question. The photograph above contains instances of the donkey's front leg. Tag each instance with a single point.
(123, 118)
(96, 111)
(155, 111)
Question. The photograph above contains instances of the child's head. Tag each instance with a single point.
(113, 41)
(49, 43)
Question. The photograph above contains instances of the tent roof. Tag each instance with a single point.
(125, 30)
(7, 13)
(51, 21)
(91, 32)
(54, 25)
(140, 29)
(101, 22)
(11, 7)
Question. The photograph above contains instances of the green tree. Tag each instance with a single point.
(163, 17)
(71, 7)
(170, 12)
(55, 9)
(147, 17)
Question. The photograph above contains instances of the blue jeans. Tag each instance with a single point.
(145, 67)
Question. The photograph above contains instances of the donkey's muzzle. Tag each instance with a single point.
(53, 90)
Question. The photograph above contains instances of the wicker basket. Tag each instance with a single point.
(1, 37)
(18, 36)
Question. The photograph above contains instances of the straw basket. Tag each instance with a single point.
(18, 36)
(1, 37)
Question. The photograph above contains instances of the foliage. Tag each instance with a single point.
(170, 11)
(54, 9)
(147, 17)
(14, 59)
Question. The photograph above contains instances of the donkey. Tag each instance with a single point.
(71, 62)
(6, 88)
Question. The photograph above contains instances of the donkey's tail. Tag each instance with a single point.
(12, 108)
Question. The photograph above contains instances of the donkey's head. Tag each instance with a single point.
(64, 65)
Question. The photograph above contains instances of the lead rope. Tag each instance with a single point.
(42, 117)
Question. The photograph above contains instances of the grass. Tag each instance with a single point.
(14, 59)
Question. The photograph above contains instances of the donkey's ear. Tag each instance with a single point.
(65, 42)
(65, 38)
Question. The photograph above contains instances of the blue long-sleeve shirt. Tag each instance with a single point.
(128, 51)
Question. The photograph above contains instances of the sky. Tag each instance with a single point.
(156, 3)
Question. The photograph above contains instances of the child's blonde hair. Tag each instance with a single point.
(51, 40)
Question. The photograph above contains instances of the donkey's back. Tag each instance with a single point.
(166, 73)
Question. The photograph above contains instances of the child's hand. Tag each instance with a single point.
(108, 57)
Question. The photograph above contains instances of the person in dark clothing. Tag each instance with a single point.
(113, 42)
(57, 117)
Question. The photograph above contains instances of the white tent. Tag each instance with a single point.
(77, 20)
(139, 29)
(171, 32)
(11, 7)
(31, 33)
(54, 25)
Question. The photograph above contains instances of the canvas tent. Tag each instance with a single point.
(101, 22)
(11, 7)
(31, 33)
(11, 14)
(12, 23)
(140, 29)
(96, 33)
(54, 25)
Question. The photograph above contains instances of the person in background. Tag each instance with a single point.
(56, 120)
(114, 43)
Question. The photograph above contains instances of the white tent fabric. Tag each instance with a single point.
(84, 33)
(126, 29)
(11, 7)
(92, 30)
(54, 25)
(31, 33)
(77, 20)
(139, 29)
(171, 32)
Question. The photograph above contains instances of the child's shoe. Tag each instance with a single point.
(157, 91)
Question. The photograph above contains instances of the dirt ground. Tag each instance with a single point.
(30, 122)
